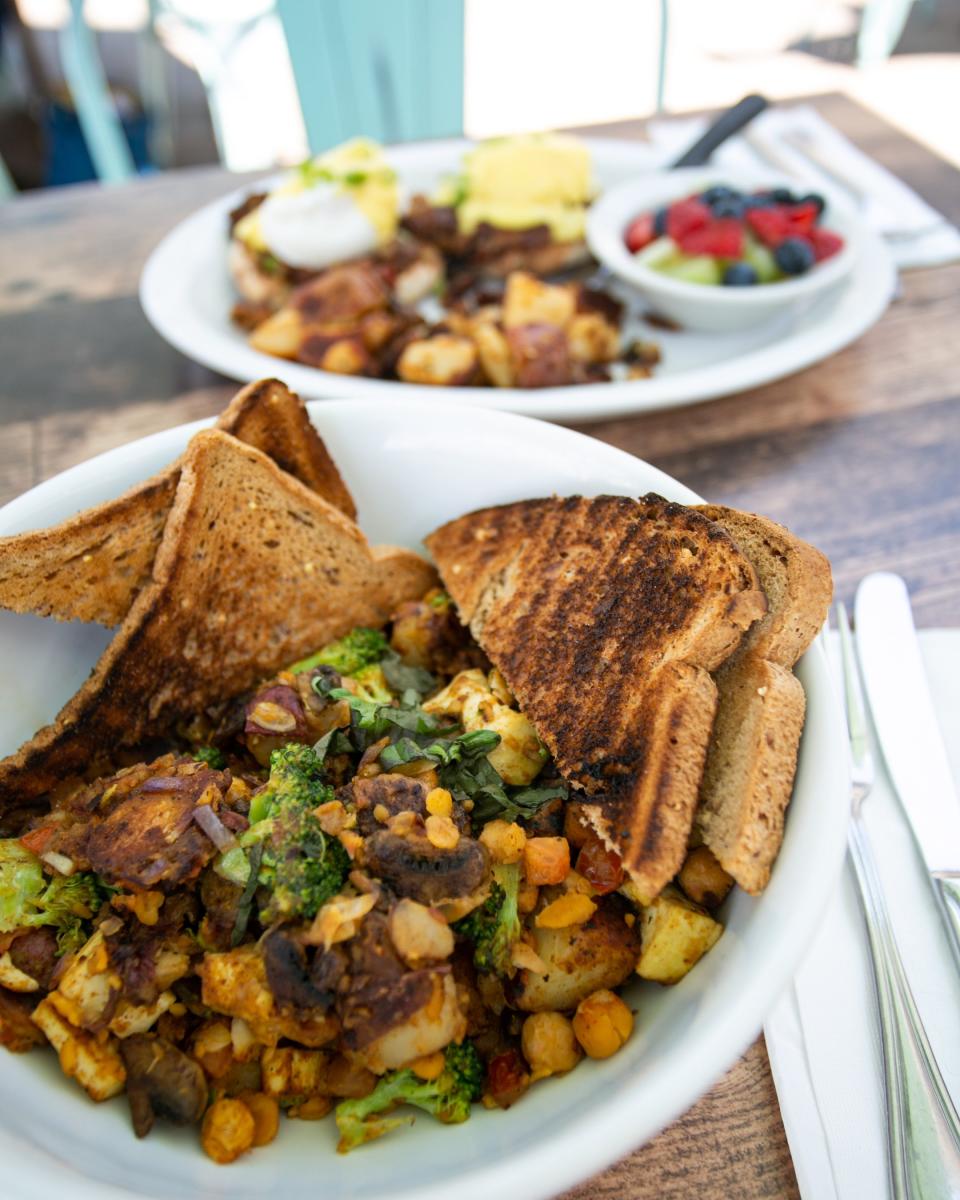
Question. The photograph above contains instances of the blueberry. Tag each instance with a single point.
(783, 196)
(717, 192)
(739, 274)
(759, 200)
(660, 222)
(794, 256)
(814, 198)
(729, 206)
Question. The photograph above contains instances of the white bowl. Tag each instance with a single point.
(412, 466)
(697, 305)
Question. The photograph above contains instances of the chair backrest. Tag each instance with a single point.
(83, 71)
(389, 69)
(7, 187)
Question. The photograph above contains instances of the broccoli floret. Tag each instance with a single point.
(373, 685)
(494, 927)
(300, 865)
(360, 648)
(212, 756)
(448, 1098)
(28, 898)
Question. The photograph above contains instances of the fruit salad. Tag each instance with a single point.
(726, 237)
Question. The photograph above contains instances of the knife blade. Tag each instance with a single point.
(909, 735)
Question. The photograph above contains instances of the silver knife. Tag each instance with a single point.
(906, 725)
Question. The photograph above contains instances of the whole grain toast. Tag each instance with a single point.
(91, 566)
(606, 617)
(752, 759)
(254, 570)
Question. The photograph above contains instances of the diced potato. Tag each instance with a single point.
(342, 356)
(528, 301)
(446, 359)
(495, 357)
(235, 983)
(138, 1018)
(504, 840)
(450, 701)
(290, 1073)
(13, 978)
(521, 755)
(676, 934)
(279, 335)
(228, 1130)
(592, 339)
(93, 1061)
(703, 879)
(87, 985)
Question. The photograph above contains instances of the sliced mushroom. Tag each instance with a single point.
(161, 1082)
(412, 866)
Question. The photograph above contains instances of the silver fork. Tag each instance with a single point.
(922, 1124)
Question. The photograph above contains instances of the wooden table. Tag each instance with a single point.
(861, 455)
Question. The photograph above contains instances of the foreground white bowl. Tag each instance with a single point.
(411, 467)
(696, 305)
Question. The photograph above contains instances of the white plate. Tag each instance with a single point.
(412, 467)
(186, 294)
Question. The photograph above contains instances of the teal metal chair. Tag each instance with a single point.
(389, 69)
(7, 186)
(91, 97)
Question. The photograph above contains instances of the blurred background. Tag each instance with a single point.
(205, 81)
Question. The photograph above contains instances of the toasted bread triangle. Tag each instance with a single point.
(91, 566)
(254, 570)
(606, 617)
(752, 758)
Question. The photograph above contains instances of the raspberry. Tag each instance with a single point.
(686, 215)
(802, 218)
(722, 239)
(825, 243)
(640, 233)
(771, 225)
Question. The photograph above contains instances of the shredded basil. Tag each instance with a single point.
(245, 906)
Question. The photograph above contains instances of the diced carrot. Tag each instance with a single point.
(546, 860)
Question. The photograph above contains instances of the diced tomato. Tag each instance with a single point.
(36, 840)
(722, 238)
(771, 225)
(600, 867)
(825, 243)
(639, 233)
(507, 1078)
(686, 215)
(802, 217)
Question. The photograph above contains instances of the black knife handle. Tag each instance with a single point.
(725, 126)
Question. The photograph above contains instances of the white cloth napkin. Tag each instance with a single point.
(891, 199)
(823, 1038)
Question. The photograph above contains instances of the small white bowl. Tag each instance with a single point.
(697, 305)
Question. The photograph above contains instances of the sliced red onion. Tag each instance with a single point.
(167, 783)
(234, 820)
(213, 827)
(156, 870)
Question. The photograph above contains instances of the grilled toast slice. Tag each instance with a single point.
(606, 617)
(254, 571)
(91, 566)
(752, 759)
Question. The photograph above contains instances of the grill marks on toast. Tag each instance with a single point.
(92, 565)
(605, 617)
(254, 571)
(752, 759)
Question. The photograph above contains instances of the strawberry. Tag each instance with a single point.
(825, 243)
(771, 225)
(686, 215)
(802, 218)
(722, 238)
(639, 233)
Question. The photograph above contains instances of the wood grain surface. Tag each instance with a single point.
(860, 454)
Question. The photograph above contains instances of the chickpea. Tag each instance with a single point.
(548, 1044)
(602, 1023)
(266, 1116)
(228, 1130)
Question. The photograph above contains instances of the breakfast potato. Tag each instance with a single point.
(676, 934)
(528, 301)
(600, 953)
(18, 1033)
(447, 359)
(494, 351)
(343, 355)
(279, 335)
(540, 355)
(592, 339)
